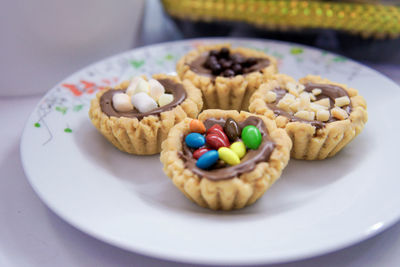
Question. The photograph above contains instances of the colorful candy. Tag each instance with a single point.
(195, 140)
(231, 129)
(215, 126)
(199, 152)
(207, 159)
(216, 141)
(251, 136)
(197, 126)
(228, 156)
(239, 148)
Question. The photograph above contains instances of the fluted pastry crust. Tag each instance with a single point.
(226, 93)
(309, 142)
(234, 193)
(144, 137)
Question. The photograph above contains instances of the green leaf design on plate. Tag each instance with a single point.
(296, 51)
(78, 107)
(324, 53)
(37, 125)
(169, 57)
(277, 55)
(137, 63)
(339, 59)
(68, 130)
(63, 110)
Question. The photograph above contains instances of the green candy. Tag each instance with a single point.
(251, 136)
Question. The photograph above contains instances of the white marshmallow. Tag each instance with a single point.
(143, 102)
(122, 102)
(165, 99)
(156, 89)
(137, 85)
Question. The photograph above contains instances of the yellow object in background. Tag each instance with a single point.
(378, 19)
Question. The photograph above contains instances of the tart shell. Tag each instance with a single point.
(310, 143)
(221, 92)
(229, 194)
(144, 137)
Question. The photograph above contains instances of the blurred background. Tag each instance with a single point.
(41, 48)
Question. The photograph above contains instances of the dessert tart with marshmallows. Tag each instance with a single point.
(137, 115)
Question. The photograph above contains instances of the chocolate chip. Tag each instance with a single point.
(237, 68)
(229, 73)
(216, 68)
(213, 53)
(212, 60)
(236, 58)
(224, 52)
(226, 64)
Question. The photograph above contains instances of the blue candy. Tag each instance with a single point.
(207, 159)
(195, 140)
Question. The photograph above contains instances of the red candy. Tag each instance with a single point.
(215, 126)
(216, 141)
(199, 152)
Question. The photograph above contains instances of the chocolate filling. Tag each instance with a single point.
(328, 91)
(176, 89)
(198, 65)
(221, 171)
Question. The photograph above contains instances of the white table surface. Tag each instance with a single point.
(32, 235)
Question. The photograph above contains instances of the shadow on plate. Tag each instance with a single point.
(301, 182)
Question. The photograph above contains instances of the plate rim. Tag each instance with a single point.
(346, 242)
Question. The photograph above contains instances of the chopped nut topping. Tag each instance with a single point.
(306, 115)
(342, 101)
(292, 88)
(304, 101)
(339, 113)
(270, 97)
(323, 115)
(324, 102)
(315, 107)
(294, 107)
(316, 91)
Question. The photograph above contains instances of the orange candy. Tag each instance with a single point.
(197, 126)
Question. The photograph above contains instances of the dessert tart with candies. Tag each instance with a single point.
(320, 116)
(225, 159)
(226, 76)
(137, 115)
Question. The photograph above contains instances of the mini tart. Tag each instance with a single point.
(313, 139)
(227, 193)
(144, 136)
(228, 93)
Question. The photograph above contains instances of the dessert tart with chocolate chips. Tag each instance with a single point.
(320, 116)
(137, 115)
(226, 76)
(225, 160)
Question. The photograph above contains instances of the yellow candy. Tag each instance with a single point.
(227, 155)
(239, 148)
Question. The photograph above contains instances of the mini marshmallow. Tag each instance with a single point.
(142, 86)
(143, 102)
(133, 84)
(122, 102)
(156, 89)
(165, 99)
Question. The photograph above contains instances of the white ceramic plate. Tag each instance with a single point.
(316, 207)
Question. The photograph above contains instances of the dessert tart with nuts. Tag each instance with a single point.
(137, 115)
(320, 116)
(225, 160)
(226, 76)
